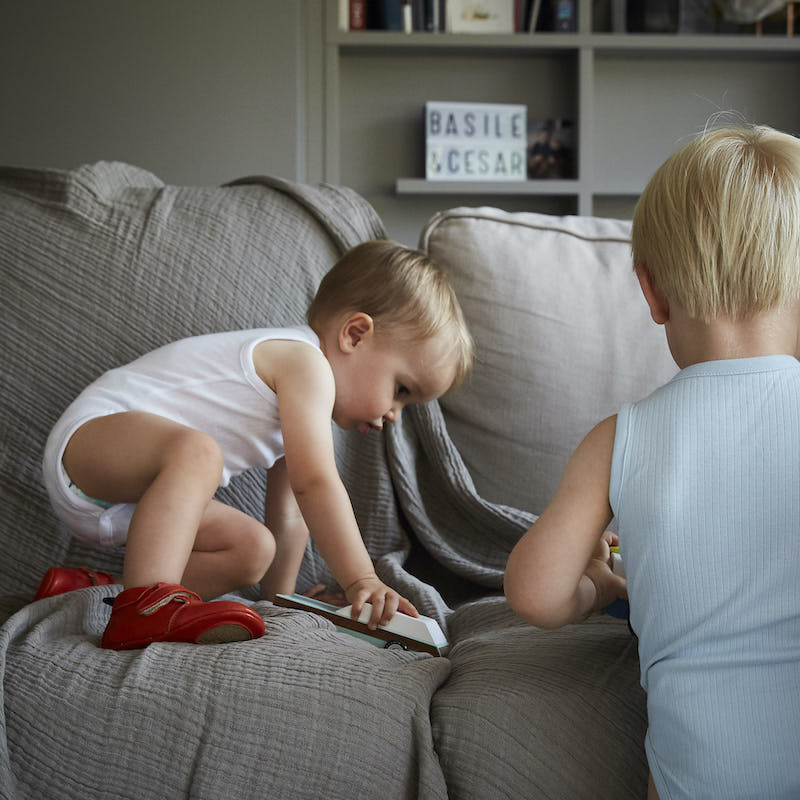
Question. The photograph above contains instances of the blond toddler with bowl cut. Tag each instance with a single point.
(137, 457)
(703, 477)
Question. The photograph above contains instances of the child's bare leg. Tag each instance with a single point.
(652, 794)
(231, 550)
(170, 471)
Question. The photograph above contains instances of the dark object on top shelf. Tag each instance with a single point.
(703, 16)
(385, 15)
(653, 16)
(560, 16)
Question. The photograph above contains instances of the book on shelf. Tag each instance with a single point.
(462, 16)
(560, 16)
(392, 15)
(424, 15)
(356, 14)
(480, 16)
(565, 15)
(386, 15)
(531, 15)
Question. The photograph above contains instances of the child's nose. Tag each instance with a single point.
(393, 414)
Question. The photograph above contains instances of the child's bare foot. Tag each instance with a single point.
(325, 595)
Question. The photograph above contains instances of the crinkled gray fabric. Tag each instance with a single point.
(99, 265)
(540, 714)
(105, 262)
(303, 712)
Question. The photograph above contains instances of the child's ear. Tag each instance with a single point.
(656, 299)
(356, 328)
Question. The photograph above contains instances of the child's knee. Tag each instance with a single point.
(198, 451)
(257, 547)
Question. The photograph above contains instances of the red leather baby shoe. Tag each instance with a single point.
(169, 612)
(58, 580)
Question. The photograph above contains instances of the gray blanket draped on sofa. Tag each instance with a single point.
(103, 263)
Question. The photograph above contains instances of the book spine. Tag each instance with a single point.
(565, 16)
(418, 14)
(532, 15)
(358, 15)
(428, 16)
(408, 22)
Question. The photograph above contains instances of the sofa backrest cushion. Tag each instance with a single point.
(563, 339)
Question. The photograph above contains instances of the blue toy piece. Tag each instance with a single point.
(620, 608)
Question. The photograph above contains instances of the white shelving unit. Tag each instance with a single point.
(422, 186)
(633, 97)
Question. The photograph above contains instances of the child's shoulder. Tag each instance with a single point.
(596, 448)
(280, 359)
(603, 433)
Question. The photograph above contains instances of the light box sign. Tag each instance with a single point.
(475, 142)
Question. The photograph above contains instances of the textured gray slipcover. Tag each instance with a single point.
(105, 262)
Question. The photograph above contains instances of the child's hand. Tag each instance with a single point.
(385, 601)
(608, 587)
(602, 551)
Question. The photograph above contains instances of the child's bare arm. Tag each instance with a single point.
(284, 519)
(558, 572)
(304, 384)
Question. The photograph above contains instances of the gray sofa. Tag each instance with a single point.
(104, 262)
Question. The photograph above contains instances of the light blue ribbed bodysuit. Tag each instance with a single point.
(705, 484)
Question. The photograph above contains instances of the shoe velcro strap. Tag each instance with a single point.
(92, 575)
(183, 596)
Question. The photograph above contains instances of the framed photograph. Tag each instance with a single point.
(480, 16)
(551, 148)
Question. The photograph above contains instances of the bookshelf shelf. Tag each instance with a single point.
(544, 187)
(453, 41)
(771, 46)
(633, 97)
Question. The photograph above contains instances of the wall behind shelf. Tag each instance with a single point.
(647, 106)
(201, 92)
(382, 135)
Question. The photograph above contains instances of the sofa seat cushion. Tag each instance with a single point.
(533, 713)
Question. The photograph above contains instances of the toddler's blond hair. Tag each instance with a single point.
(404, 291)
(718, 225)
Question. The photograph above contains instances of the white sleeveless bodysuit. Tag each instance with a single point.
(205, 382)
